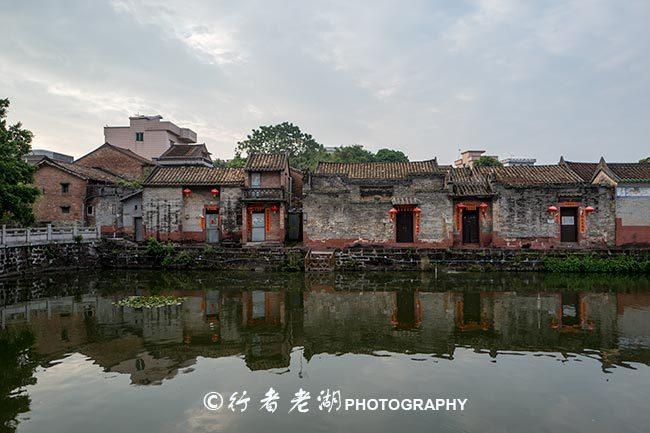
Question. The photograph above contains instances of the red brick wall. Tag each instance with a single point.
(47, 208)
(631, 235)
(113, 161)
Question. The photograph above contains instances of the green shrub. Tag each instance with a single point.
(155, 248)
(78, 239)
(621, 264)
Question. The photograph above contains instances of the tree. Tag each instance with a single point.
(237, 162)
(390, 155)
(487, 161)
(354, 153)
(219, 163)
(17, 194)
(645, 160)
(302, 148)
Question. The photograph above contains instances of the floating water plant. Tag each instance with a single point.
(153, 301)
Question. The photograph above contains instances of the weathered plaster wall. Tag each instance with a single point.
(161, 211)
(520, 216)
(336, 214)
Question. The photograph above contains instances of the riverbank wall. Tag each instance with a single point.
(20, 260)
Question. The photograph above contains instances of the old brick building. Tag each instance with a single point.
(200, 204)
(395, 204)
(117, 160)
(632, 184)
(423, 204)
(72, 193)
(530, 207)
(269, 198)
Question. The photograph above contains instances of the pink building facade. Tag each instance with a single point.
(148, 136)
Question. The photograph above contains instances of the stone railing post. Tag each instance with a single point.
(49, 233)
(4, 234)
(74, 230)
(28, 235)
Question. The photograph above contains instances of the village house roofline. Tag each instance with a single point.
(379, 170)
(469, 182)
(85, 173)
(532, 175)
(194, 176)
(630, 172)
(183, 151)
(266, 162)
(133, 194)
(142, 160)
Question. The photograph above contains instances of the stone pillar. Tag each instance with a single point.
(49, 233)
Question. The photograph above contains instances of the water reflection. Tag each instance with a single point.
(263, 318)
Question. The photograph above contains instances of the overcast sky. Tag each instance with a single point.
(517, 78)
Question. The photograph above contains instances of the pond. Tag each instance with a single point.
(379, 352)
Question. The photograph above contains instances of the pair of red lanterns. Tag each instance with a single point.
(214, 191)
(554, 209)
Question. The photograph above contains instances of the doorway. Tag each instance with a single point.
(258, 227)
(212, 227)
(569, 224)
(138, 229)
(470, 227)
(404, 227)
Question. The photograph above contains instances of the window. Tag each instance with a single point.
(256, 180)
(89, 210)
(139, 136)
(65, 188)
(65, 209)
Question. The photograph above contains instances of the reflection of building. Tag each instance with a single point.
(151, 345)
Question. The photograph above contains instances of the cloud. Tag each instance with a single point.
(535, 79)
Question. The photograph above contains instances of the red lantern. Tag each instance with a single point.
(274, 208)
(483, 206)
(589, 209)
(214, 192)
(461, 206)
(187, 192)
(417, 210)
(552, 209)
(392, 212)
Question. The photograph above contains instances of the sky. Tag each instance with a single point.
(517, 78)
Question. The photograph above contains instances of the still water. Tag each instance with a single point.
(531, 353)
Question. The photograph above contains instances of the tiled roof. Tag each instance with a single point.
(631, 171)
(622, 171)
(186, 151)
(533, 175)
(142, 160)
(81, 171)
(470, 182)
(194, 175)
(585, 170)
(405, 201)
(379, 170)
(266, 162)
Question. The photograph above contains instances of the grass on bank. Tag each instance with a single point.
(587, 264)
